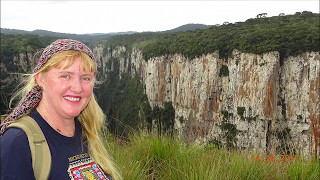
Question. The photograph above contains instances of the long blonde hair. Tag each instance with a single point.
(92, 118)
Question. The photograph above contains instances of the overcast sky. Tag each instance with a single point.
(107, 16)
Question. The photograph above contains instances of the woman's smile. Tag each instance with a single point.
(73, 99)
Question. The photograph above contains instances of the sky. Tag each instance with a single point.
(106, 16)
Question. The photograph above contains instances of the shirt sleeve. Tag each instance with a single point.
(16, 160)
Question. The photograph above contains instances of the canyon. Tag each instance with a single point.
(250, 101)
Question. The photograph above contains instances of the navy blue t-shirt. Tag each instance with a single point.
(70, 159)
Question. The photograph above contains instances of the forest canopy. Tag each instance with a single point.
(288, 34)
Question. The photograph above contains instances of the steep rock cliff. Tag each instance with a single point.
(248, 100)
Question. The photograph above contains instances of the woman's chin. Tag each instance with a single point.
(73, 113)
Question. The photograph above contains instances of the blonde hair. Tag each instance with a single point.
(92, 118)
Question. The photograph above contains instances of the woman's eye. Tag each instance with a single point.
(86, 78)
(65, 76)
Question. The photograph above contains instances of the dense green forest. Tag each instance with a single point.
(127, 108)
(290, 35)
(12, 45)
(187, 27)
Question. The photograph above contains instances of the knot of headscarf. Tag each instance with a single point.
(33, 97)
(31, 100)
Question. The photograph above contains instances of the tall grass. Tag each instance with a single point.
(148, 156)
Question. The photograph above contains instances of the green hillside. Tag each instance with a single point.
(290, 35)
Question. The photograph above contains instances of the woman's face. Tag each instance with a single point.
(66, 92)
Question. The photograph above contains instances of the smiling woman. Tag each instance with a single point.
(66, 88)
(58, 97)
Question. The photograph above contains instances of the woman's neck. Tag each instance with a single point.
(64, 126)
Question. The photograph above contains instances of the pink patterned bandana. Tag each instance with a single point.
(34, 96)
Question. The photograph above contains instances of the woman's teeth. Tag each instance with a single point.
(73, 99)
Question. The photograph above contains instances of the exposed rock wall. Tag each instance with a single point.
(249, 100)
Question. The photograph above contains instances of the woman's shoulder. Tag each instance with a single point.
(16, 160)
(14, 138)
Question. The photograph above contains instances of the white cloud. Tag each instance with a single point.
(115, 16)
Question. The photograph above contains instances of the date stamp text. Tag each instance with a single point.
(275, 158)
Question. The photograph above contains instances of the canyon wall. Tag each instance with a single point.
(248, 101)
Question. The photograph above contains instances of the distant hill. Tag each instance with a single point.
(93, 39)
(113, 33)
(187, 27)
(97, 36)
(80, 37)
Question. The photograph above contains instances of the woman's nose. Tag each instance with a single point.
(76, 86)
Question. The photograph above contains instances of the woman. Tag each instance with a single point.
(59, 97)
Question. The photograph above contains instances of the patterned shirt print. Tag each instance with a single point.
(85, 169)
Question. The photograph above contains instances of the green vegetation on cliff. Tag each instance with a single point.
(124, 102)
(12, 45)
(290, 35)
(127, 107)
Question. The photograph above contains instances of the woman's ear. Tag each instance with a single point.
(39, 79)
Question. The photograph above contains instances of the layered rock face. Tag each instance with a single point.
(248, 101)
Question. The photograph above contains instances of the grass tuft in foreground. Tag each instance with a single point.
(162, 157)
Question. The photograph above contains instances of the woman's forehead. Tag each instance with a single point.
(69, 71)
(77, 63)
